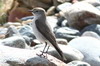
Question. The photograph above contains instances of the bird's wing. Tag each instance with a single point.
(45, 31)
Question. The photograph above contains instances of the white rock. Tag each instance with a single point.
(25, 57)
(90, 48)
(14, 41)
(78, 63)
(69, 52)
(52, 20)
(81, 14)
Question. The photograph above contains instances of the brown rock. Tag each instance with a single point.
(81, 14)
(5, 6)
(18, 13)
(35, 3)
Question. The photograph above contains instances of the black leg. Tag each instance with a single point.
(47, 50)
(43, 50)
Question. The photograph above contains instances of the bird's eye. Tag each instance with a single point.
(36, 11)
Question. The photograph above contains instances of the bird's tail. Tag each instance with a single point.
(60, 53)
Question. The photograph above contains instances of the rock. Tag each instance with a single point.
(61, 22)
(18, 13)
(10, 23)
(26, 30)
(14, 41)
(52, 20)
(35, 3)
(64, 23)
(91, 34)
(5, 6)
(3, 30)
(93, 2)
(27, 18)
(78, 63)
(27, 33)
(4, 64)
(12, 31)
(81, 14)
(69, 52)
(89, 47)
(62, 1)
(61, 41)
(61, 7)
(94, 28)
(98, 7)
(66, 33)
(51, 11)
(29, 41)
(2, 36)
(26, 57)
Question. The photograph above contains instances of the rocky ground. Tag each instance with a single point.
(76, 27)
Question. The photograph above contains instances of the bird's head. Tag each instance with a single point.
(38, 11)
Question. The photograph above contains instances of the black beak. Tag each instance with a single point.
(30, 10)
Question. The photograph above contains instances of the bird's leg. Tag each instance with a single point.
(43, 51)
(47, 50)
(44, 48)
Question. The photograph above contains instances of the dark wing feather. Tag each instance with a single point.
(45, 31)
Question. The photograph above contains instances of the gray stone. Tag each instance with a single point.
(3, 30)
(25, 57)
(28, 40)
(61, 41)
(91, 34)
(81, 14)
(93, 2)
(27, 31)
(69, 52)
(63, 6)
(12, 23)
(14, 41)
(66, 33)
(62, 22)
(94, 28)
(12, 31)
(27, 18)
(98, 7)
(78, 63)
(52, 20)
(63, 1)
(89, 47)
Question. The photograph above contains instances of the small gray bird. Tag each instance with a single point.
(42, 30)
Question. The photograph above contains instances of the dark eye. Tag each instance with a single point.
(36, 11)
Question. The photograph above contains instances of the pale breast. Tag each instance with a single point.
(37, 34)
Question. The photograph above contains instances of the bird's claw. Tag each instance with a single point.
(41, 55)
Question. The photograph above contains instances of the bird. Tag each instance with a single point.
(42, 30)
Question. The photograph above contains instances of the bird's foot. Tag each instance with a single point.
(42, 55)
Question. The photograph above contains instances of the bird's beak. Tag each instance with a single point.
(30, 10)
